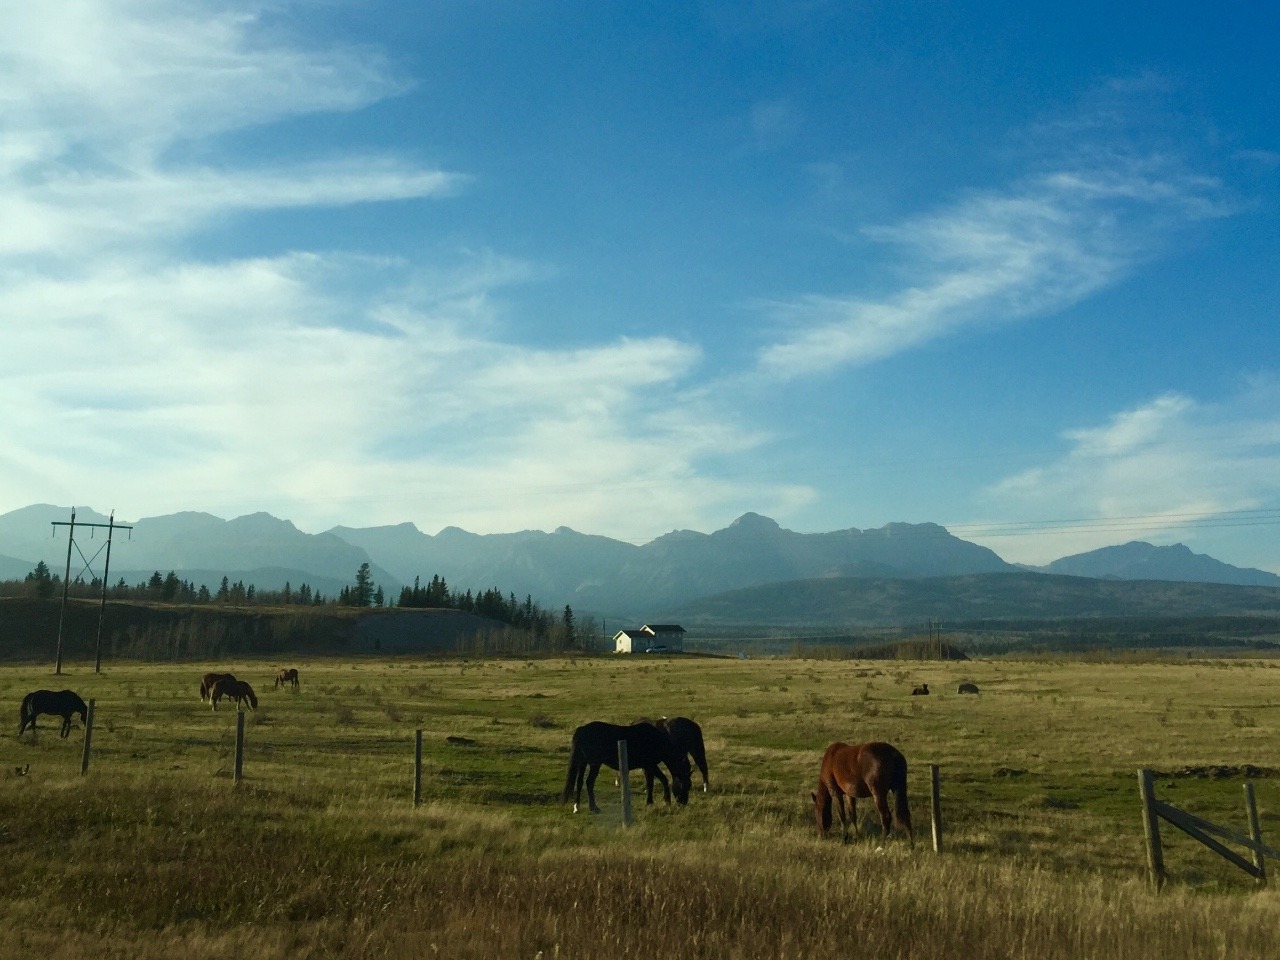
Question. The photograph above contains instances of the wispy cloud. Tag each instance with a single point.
(1157, 471)
(1044, 243)
(319, 384)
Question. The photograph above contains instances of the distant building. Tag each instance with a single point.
(651, 638)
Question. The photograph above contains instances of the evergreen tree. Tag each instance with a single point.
(41, 580)
(362, 595)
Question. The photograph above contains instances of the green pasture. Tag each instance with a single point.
(321, 845)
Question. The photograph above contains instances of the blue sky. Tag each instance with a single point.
(629, 268)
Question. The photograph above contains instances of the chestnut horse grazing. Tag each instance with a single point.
(287, 678)
(233, 689)
(207, 682)
(866, 770)
(63, 703)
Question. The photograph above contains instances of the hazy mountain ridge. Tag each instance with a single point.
(594, 574)
(1138, 560)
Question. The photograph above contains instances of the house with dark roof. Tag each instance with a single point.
(651, 638)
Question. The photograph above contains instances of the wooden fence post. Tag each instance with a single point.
(88, 739)
(239, 774)
(625, 782)
(935, 807)
(417, 769)
(1151, 827)
(1255, 831)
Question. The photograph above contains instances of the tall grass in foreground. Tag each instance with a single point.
(141, 870)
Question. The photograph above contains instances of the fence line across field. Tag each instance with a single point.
(1153, 809)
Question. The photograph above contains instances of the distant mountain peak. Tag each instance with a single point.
(754, 522)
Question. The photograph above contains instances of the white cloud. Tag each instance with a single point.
(1042, 245)
(1169, 469)
(323, 386)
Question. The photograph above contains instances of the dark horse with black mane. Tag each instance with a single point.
(595, 745)
(866, 770)
(63, 703)
(687, 736)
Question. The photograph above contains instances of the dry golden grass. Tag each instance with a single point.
(319, 852)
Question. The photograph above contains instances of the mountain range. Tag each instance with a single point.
(595, 574)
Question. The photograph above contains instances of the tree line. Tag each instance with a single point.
(561, 629)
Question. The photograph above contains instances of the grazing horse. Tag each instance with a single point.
(687, 736)
(967, 688)
(64, 703)
(866, 770)
(595, 744)
(207, 682)
(233, 689)
(921, 691)
(289, 677)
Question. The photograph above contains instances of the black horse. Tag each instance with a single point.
(64, 704)
(687, 736)
(595, 744)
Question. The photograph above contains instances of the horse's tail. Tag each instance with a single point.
(577, 764)
(901, 811)
(24, 712)
(570, 777)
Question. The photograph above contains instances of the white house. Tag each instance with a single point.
(651, 638)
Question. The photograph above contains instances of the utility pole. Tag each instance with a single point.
(110, 527)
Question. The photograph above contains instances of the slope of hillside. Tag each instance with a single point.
(850, 602)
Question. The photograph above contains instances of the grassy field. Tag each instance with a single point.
(320, 852)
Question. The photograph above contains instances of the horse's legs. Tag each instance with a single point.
(66, 726)
(649, 774)
(881, 798)
(576, 776)
(852, 817)
(591, 787)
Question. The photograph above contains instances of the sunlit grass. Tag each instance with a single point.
(319, 851)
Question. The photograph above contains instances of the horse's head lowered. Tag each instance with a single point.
(681, 775)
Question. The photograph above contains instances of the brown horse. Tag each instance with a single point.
(236, 690)
(287, 677)
(207, 682)
(866, 770)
